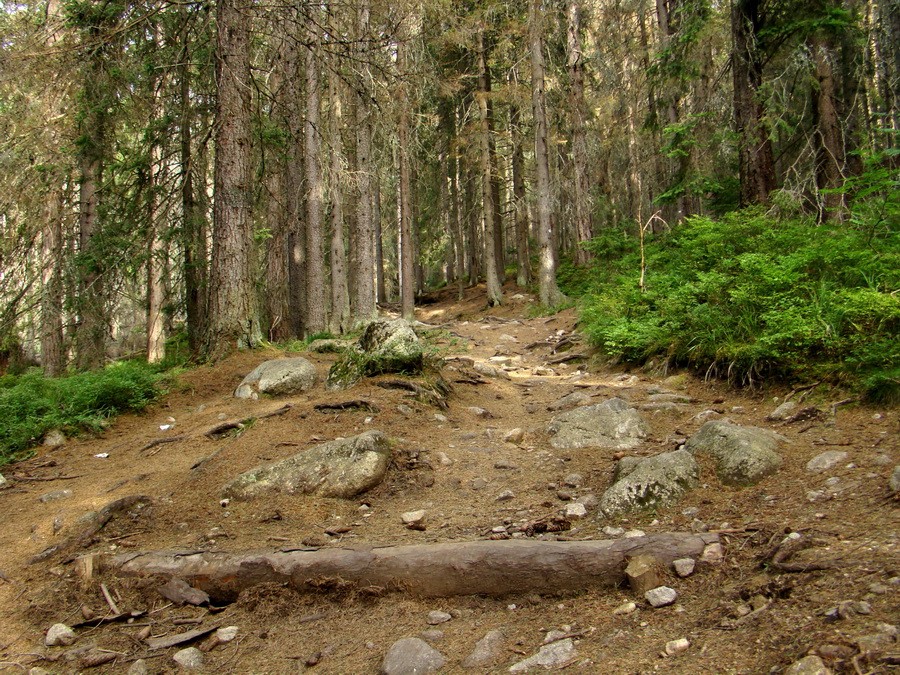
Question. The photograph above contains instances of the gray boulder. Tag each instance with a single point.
(745, 455)
(340, 468)
(278, 377)
(386, 346)
(612, 424)
(654, 481)
(412, 656)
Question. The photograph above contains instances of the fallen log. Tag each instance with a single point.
(429, 570)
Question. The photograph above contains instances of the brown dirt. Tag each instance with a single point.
(856, 525)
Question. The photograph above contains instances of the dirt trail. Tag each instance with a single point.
(851, 516)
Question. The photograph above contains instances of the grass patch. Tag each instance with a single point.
(31, 404)
(752, 297)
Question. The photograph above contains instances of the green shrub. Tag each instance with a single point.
(31, 405)
(750, 296)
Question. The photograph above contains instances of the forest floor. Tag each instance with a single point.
(847, 510)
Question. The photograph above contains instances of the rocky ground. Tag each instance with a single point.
(807, 577)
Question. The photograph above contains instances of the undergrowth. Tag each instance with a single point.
(31, 404)
(750, 296)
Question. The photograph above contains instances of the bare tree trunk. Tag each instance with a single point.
(581, 196)
(233, 321)
(53, 359)
(494, 286)
(380, 290)
(362, 305)
(407, 290)
(315, 202)
(340, 299)
(829, 142)
(520, 203)
(193, 228)
(426, 570)
(157, 261)
(755, 158)
(550, 295)
(93, 327)
(294, 188)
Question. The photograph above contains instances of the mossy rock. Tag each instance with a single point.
(386, 346)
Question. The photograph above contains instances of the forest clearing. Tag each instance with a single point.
(747, 610)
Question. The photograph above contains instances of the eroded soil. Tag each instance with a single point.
(853, 519)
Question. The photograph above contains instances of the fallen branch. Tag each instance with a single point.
(797, 390)
(435, 570)
(566, 357)
(358, 404)
(160, 441)
(221, 429)
(94, 525)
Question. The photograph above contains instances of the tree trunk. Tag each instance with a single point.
(520, 203)
(494, 285)
(294, 187)
(232, 320)
(581, 196)
(53, 359)
(828, 139)
(550, 295)
(340, 299)
(755, 158)
(492, 568)
(315, 203)
(407, 259)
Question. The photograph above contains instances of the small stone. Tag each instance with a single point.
(808, 665)
(661, 596)
(479, 412)
(139, 667)
(56, 495)
(825, 461)
(626, 608)
(412, 656)
(478, 483)
(226, 634)
(816, 496)
(548, 656)
(674, 647)
(506, 495)
(405, 410)
(437, 617)
(590, 501)
(684, 567)
(441, 419)
(894, 482)
(53, 437)
(699, 526)
(831, 482)
(882, 460)
(514, 435)
(573, 480)
(575, 511)
(564, 495)
(188, 658)
(485, 650)
(644, 572)
(783, 412)
(3, 482)
(874, 643)
(60, 635)
(504, 465)
(691, 512)
(878, 589)
(442, 458)
(713, 554)
(413, 518)
(432, 635)
(631, 534)
(613, 531)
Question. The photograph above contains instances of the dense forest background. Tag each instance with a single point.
(717, 182)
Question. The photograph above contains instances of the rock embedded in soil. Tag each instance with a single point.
(413, 518)
(626, 608)
(278, 377)
(60, 635)
(613, 424)
(190, 658)
(575, 511)
(340, 468)
(783, 412)
(808, 665)
(745, 455)
(655, 481)
(485, 651)
(432, 635)
(514, 436)
(684, 567)
(56, 495)
(569, 401)
(412, 656)
(385, 346)
(825, 461)
(548, 657)
(661, 596)
(437, 617)
(674, 647)
(894, 482)
(644, 572)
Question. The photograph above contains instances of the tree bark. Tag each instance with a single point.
(520, 203)
(294, 187)
(494, 284)
(232, 321)
(429, 570)
(828, 139)
(52, 349)
(755, 158)
(407, 257)
(581, 195)
(340, 299)
(550, 295)
(315, 320)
